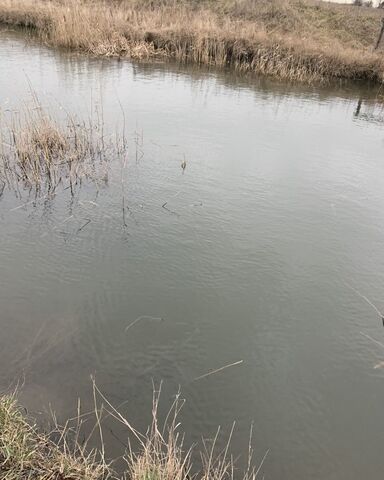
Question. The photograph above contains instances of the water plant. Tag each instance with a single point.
(41, 153)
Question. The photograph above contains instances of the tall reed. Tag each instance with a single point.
(27, 453)
(41, 153)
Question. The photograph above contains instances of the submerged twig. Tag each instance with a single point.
(150, 317)
(169, 210)
(218, 370)
(83, 226)
(381, 315)
(372, 339)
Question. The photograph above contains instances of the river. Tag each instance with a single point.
(255, 252)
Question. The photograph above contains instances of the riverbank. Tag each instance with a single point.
(27, 453)
(301, 40)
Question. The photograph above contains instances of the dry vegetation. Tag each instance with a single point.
(25, 453)
(291, 39)
(28, 454)
(40, 153)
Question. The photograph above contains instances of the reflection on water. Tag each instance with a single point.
(279, 209)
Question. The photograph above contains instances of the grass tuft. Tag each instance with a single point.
(25, 453)
(42, 153)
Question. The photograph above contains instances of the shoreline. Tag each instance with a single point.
(27, 453)
(294, 40)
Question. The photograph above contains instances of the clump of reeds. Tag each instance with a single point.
(291, 39)
(162, 455)
(42, 153)
(26, 453)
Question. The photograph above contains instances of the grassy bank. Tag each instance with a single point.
(28, 454)
(290, 39)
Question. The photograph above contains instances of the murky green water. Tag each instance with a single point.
(280, 206)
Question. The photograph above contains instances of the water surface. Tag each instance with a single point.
(280, 208)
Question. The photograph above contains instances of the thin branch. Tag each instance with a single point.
(83, 226)
(150, 317)
(381, 315)
(372, 339)
(218, 370)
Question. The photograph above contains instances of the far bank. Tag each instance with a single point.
(303, 40)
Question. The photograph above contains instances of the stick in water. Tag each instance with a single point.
(140, 318)
(372, 339)
(218, 370)
(381, 315)
(83, 226)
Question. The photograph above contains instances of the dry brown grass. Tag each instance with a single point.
(40, 153)
(162, 455)
(291, 39)
(27, 454)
